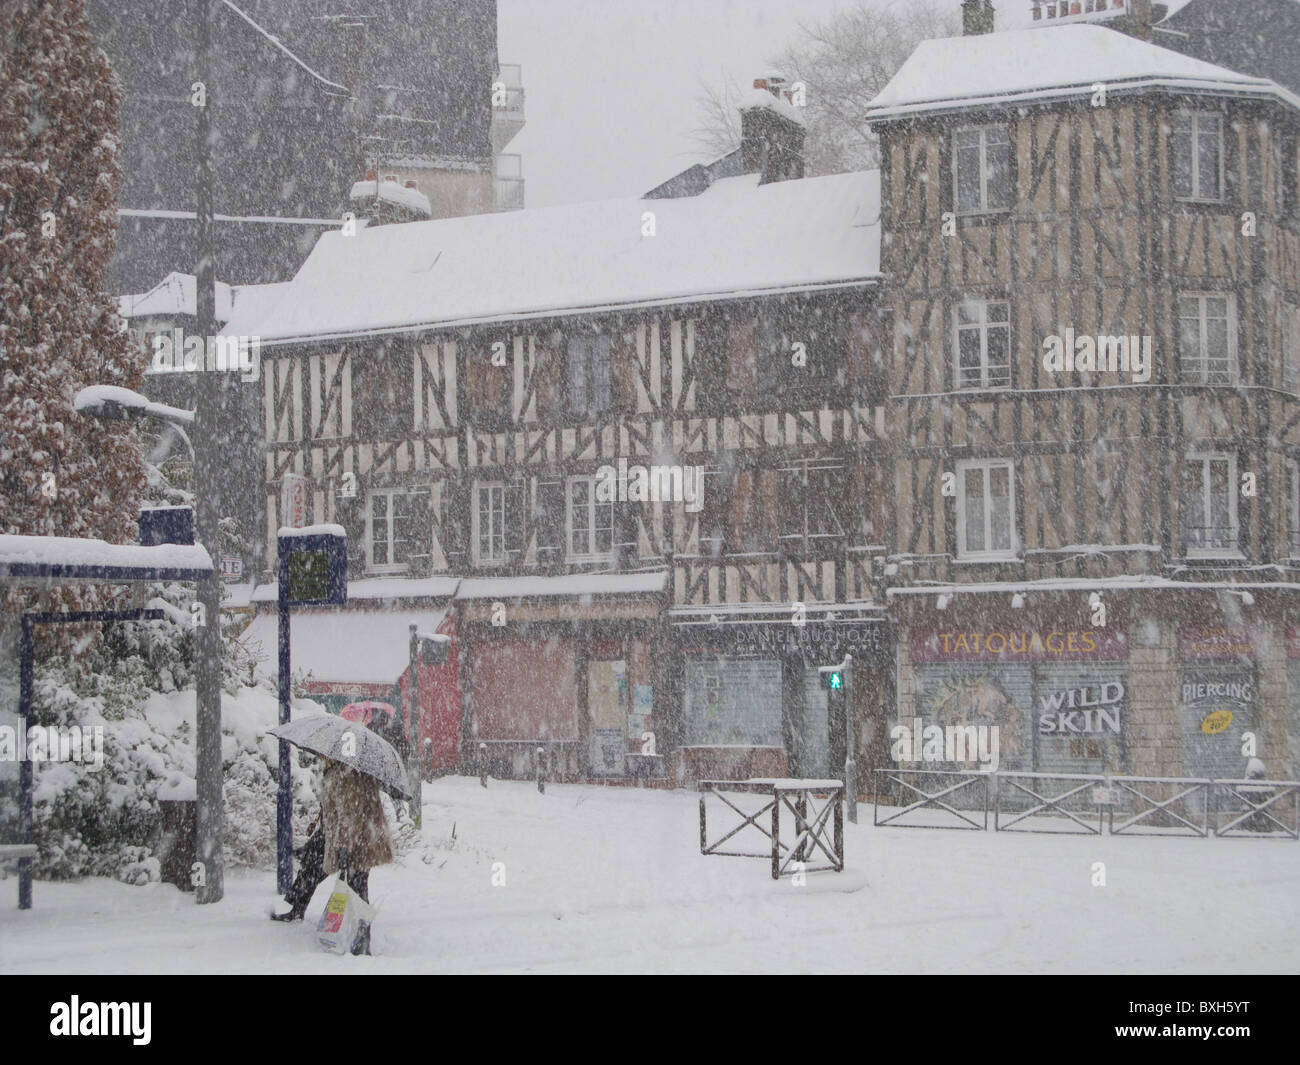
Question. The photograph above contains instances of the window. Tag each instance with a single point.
(1210, 504)
(1293, 506)
(1198, 156)
(495, 522)
(983, 344)
(1207, 339)
(591, 521)
(383, 399)
(986, 509)
(397, 529)
(812, 497)
(981, 163)
(488, 388)
(588, 374)
(1290, 348)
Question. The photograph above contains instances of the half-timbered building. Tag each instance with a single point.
(1092, 282)
(639, 435)
(1015, 421)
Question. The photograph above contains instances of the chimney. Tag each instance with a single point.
(771, 131)
(976, 17)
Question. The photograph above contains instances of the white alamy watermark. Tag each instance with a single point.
(52, 743)
(1067, 353)
(651, 484)
(175, 352)
(102, 1018)
(947, 743)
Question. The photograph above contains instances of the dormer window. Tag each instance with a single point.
(981, 165)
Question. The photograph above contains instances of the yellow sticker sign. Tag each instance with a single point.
(1216, 722)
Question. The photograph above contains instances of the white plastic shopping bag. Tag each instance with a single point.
(346, 916)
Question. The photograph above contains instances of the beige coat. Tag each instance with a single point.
(353, 819)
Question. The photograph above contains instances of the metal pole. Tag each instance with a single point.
(284, 796)
(541, 778)
(851, 764)
(482, 764)
(26, 825)
(413, 774)
(210, 886)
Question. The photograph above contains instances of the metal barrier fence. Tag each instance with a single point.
(1069, 806)
(970, 794)
(1162, 806)
(1079, 804)
(1257, 808)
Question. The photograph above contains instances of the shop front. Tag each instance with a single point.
(1218, 704)
(567, 667)
(751, 702)
(1058, 698)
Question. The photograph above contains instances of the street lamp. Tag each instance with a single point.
(112, 403)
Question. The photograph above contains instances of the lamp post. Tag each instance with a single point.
(111, 403)
(210, 880)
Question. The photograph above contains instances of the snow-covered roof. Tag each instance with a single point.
(342, 646)
(67, 558)
(391, 192)
(1024, 66)
(737, 239)
(1135, 582)
(174, 296)
(380, 588)
(650, 582)
(252, 300)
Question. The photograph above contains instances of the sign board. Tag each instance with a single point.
(1103, 796)
(232, 569)
(293, 501)
(1216, 641)
(1017, 645)
(314, 568)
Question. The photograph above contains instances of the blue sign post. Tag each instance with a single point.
(313, 572)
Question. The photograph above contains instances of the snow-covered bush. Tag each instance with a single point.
(137, 687)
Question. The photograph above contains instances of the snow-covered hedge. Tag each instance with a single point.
(138, 687)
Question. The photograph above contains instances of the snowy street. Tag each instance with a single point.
(611, 880)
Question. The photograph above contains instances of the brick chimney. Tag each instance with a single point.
(976, 17)
(771, 131)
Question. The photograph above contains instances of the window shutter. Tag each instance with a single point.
(548, 519)
(742, 367)
(515, 502)
(415, 529)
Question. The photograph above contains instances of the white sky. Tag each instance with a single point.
(610, 85)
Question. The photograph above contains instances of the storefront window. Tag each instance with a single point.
(733, 701)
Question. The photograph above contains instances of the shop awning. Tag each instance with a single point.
(342, 646)
(651, 582)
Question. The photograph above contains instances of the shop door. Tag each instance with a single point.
(1218, 706)
(813, 741)
(607, 704)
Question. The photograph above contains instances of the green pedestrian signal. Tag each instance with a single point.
(832, 680)
(836, 683)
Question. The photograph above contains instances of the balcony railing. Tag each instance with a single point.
(509, 194)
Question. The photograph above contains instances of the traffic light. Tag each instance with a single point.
(832, 680)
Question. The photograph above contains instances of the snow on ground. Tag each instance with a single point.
(611, 880)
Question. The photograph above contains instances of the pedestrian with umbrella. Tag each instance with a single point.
(353, 826)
